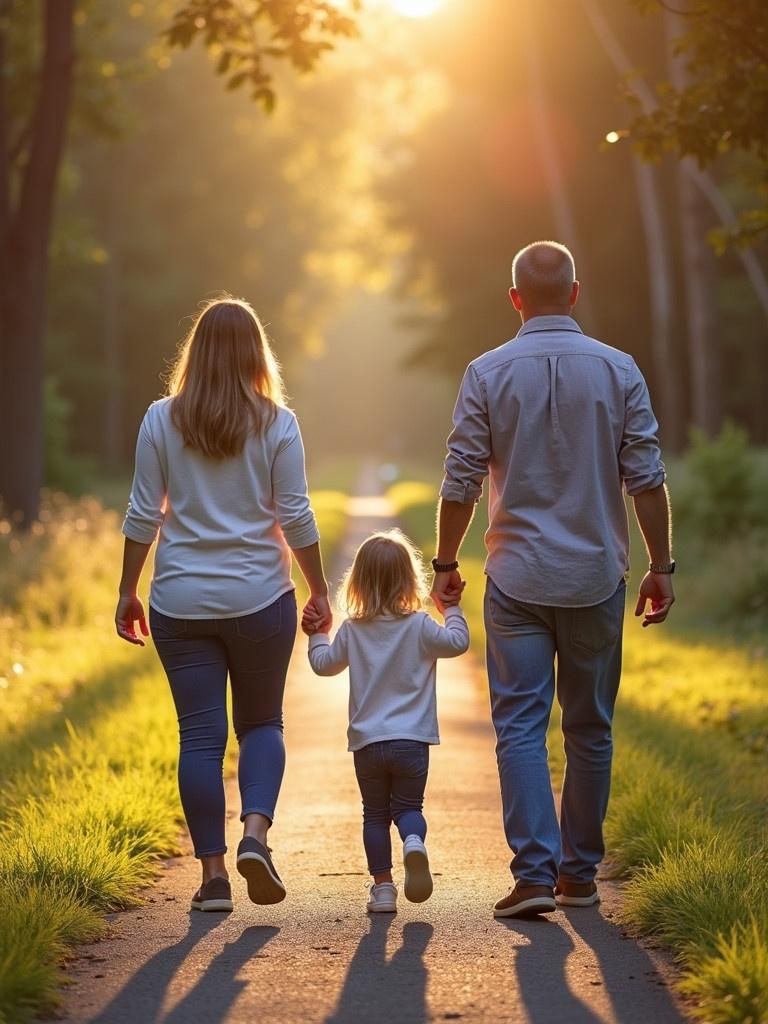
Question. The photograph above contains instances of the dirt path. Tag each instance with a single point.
(317, 957)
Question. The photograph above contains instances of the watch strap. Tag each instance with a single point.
(662, 568)
(444, 566)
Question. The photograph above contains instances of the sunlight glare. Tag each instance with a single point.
(416, 8)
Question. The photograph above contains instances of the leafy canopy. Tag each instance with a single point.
(721, 106)
(247, 35)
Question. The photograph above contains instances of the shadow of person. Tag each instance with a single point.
(142, 995)
(386, 990)
(541, 977)
(626, 970)
(218, 987)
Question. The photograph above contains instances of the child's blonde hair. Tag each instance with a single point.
(386, 578)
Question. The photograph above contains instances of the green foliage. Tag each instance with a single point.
(63, 470)
(731, 984)
(723, 105)
(248, 36)
(725, 491)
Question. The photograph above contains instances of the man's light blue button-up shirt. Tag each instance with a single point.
(562, 425)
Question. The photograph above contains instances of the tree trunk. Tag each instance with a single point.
(671, 398)
(22, 313)
(113, 368)
(667, 384)
(565, 222)
(698, 273)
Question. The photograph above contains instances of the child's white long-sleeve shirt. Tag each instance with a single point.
(392, 671)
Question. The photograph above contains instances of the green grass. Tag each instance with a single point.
(687, 820)
(88, 745)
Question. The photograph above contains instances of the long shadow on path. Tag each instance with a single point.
(612, 963)
(632, 981)
(378, 989)
(143, 996)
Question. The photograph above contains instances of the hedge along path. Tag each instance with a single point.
(318, 956)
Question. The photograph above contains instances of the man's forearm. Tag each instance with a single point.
(453, 519)
(655, 522)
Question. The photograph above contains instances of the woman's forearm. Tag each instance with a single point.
(311, 565)
(134, 557)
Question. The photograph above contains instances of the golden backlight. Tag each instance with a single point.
(416, 8)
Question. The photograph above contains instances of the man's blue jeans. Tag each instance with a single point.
(522, 642)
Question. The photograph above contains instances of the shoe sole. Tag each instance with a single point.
(418, 884)
(386, 908)
(528, 908)
(209, 905)
(577, 901)
(264, 887)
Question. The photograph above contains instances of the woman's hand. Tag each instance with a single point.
(317, 616)
(129, 611)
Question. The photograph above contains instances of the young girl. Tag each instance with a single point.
(391, 647)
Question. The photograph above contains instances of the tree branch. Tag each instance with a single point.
(703, 181)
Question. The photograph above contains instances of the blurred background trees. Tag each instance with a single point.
(372, 217)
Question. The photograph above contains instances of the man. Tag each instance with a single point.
(561, 424)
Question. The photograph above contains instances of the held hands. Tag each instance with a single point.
(317, 616)
(656, 588)
(129, 611)
(447, 589)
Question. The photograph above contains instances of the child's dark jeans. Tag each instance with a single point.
(392, 775)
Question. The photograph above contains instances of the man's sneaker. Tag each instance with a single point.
(213, 895)
(576, 894)
(382, 898)
(526, 901)
(417, 885)
(255, 865)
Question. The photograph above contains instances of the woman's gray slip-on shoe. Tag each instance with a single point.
(255, 865)
(213, 895)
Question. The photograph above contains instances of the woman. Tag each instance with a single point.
(220, 483)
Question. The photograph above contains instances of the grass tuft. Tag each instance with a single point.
(731, 984)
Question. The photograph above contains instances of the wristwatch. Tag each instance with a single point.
(444, 566)
(662, 568)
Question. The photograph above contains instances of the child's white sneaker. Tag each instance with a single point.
(418, 880)
(382, 898)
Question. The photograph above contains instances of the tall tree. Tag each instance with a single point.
(720, 104)
(251, 35)
(26, 210)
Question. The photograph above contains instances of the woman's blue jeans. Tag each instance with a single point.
(392, 776)
(197, 655)
(522, 642)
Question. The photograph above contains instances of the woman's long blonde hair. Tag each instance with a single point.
(386, 578)
(226, 382)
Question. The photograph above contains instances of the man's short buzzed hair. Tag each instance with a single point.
(543, 273)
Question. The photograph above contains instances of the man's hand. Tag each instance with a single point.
(656, 588)
(447, 589)
(317, 616)
(129, 611)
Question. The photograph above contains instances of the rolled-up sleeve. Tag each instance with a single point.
(469, 443)
(640, 455)
(146, 504)
(289, 489)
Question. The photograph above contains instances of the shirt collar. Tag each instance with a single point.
(538, 324)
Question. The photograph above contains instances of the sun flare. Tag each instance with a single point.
(416, 8)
